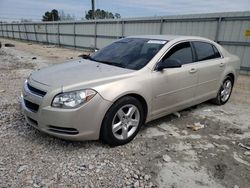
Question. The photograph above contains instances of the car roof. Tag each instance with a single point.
(169, 37)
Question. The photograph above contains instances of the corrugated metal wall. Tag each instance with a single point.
(228, 29)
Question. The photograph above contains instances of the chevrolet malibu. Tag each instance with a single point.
(111, 93)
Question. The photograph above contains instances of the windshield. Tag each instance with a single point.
(130, 53)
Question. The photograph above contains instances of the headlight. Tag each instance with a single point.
(73, 99)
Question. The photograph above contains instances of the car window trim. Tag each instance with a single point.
(173, 45)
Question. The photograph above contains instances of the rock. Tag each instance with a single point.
(123, 166)
(137, 184)
(196, 126)
(36, 185)
(29, 181)
(22, 168)
(236, 186)
(9, 45)
(91, 167)
(207, 110)
(177, 114)
(97, 170)
(166, 158)
(143, 153)
(239, 159)
(135, 176)
(244, 146)
(247, 153)
(2, 90)
(2, 169)
(150, 184)
(147, 177)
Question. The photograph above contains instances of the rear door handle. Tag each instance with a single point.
(222, 64)
(193, 70)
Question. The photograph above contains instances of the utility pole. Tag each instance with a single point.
(93, 8)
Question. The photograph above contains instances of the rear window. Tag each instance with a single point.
(205, 51)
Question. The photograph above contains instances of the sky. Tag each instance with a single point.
(11, 10)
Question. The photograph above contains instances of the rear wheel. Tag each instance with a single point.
(224, 92)
(122, 121)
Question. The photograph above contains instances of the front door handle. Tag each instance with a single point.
(193, 70)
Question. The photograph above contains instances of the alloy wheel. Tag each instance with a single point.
(226, 90)
(125, 122)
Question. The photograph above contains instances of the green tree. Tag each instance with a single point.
(51, 16)
(101, 14)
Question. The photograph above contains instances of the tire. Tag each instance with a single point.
(119, 126)
(226, 88)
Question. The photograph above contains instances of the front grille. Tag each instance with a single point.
(31, 106)
(36, 91)
(63, 130)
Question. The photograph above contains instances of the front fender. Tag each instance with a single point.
(139, 84)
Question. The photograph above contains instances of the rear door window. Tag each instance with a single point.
(205, 51)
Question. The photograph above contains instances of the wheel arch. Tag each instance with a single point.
(232, 76)
(140, 98)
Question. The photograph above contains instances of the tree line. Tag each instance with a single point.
(54, 15)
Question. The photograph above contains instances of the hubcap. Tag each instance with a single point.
(226, 90)
(125, 122)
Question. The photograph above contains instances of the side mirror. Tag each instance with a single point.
(168, 63)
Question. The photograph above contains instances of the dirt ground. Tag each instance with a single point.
(166, 153)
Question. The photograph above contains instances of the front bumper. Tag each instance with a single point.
(82, 123)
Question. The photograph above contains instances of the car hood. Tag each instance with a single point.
(81, 72)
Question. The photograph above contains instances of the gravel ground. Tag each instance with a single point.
(166, 153)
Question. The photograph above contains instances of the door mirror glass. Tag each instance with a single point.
(168, 63)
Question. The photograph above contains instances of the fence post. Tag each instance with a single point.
(58, 34)
(25, 29)
(19, 32)
(217, 29)
(34, 25)
(12, 31)
(74, 30)
(7, 31)
(46, 30)
(2, 29)
(95, 45)
(161, 25)
(123, 22)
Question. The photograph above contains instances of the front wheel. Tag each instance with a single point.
(122, 121)
(224, 92)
